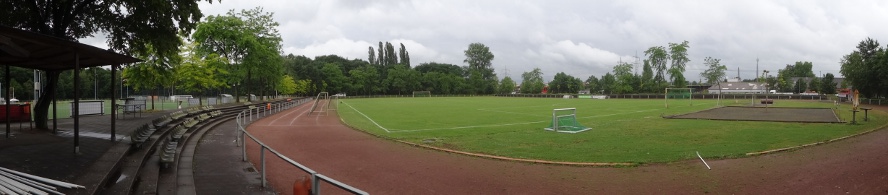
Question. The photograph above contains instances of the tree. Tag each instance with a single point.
(365, 80)
(196, 74)
(607, 83)
(154, 71)
(592, 84)
(390, 57)
(625, 80)
(647, 79)
(380, 52)
(334, 81)
(479, 58)
(130, 31)
(679, 54)
(800, 86)
(864, 68)
(441, 68)
(714, 72)
(657, 57)
(532, 82)
(371, 56)
(402, 79)
(441, 83)
(827, 86)
(506, 86)
(287, 85)
(814, 84)
(563, 83)
(405, 56)
(249, 40)
(784, 83)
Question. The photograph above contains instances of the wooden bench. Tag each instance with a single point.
(161, 122)
(142, 134)
(168, 153)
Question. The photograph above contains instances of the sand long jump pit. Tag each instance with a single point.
(776, 114)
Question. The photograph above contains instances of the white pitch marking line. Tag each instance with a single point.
(365, 116)
(704, 162)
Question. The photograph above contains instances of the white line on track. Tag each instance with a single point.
(300, 115)
(289, 111)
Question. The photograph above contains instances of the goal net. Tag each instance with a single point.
(321, 103)
(565, 120)
(422, 94)
(678, 96)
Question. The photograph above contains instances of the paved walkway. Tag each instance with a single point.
(217, 163)
(42, 153)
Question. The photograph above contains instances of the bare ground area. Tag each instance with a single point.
(856, 165)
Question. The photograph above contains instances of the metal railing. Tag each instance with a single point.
(247, 116)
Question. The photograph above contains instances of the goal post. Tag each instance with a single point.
(422, 94)
(321, 96)
(681, 94)
(564, 120)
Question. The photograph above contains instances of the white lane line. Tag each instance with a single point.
(289, 111)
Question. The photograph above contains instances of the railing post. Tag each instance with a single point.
(315, 184)
(262, 158)
(244, 149)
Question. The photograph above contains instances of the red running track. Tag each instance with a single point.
(857, 165)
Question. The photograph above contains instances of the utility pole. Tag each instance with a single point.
(757, 70)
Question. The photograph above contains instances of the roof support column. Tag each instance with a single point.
(6, 80)
(113, 101)
(76, 111)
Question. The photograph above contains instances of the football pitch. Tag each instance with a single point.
(622, 130)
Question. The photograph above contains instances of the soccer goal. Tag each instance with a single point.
(564, 120)
(422, 94)
(321, 103)
(678, 96)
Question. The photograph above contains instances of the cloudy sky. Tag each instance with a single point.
(580, 38)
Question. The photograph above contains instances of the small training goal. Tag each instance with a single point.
(564, 120)
(422, 94)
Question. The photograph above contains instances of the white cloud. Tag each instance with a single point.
(580, 38)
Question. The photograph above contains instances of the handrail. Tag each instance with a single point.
(316, 178)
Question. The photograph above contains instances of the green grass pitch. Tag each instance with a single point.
(623, 130)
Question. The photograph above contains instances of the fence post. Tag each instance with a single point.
(262, 158)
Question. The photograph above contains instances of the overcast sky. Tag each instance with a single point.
(580, 38)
